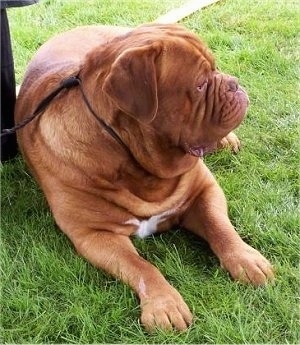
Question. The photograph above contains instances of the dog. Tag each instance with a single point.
(164, 105)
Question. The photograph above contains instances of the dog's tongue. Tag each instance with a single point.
(197, 151)
(200, 151)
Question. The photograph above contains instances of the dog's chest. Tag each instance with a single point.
(149, 226)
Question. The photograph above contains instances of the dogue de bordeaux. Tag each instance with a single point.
(157, 89)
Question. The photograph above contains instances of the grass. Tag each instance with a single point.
(50, 295)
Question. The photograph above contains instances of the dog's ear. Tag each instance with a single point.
(132, 83)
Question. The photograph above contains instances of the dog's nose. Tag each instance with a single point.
(233, 84)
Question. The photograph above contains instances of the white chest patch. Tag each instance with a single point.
(149, 226)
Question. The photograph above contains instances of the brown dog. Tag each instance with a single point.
(157, 87)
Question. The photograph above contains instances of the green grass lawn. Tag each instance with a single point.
(50, 295)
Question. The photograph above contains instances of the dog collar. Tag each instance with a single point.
(68, 83)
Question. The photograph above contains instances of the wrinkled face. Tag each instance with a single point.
(165, 78)
(203, 104)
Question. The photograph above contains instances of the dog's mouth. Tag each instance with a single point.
(200, 151)
(197, 151)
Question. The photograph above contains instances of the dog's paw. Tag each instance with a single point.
(166, 312)
(231, 141)
(247, 265)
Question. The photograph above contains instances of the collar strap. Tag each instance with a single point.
(68, 83)
(108, 129)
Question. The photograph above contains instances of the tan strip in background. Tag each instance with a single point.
(175, 15)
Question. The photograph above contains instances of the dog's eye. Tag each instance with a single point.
(202, 86)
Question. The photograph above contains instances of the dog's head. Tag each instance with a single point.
(166, 78)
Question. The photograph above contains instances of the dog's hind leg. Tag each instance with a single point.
(231, 142)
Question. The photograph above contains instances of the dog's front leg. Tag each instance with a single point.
(208, 218)
(162, 306)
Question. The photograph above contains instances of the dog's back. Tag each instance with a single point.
(67, 50)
